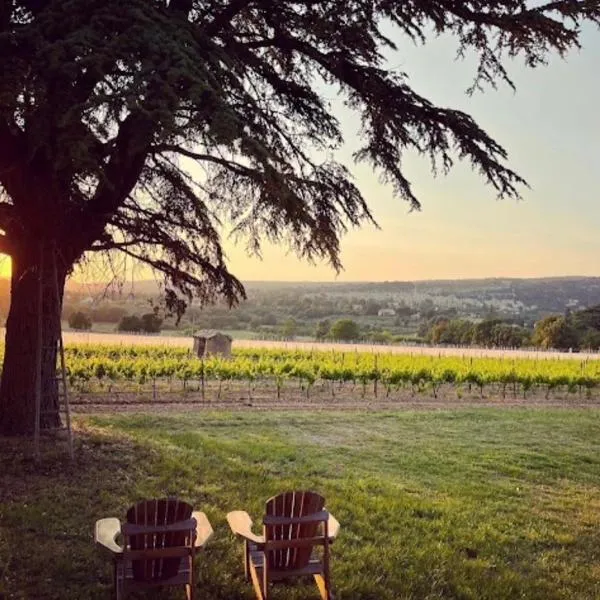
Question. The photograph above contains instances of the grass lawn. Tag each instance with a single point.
(458, 504)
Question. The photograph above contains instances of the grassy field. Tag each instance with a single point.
(463, 504)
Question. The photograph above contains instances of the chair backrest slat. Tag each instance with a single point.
(159, 553)
(317, 517)
(148, 529)
(308, 542)
(291, 518)
(187, 525)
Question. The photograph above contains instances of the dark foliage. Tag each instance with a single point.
(556, 332)
(80, 320)
(579, 330)
(130, 323)
(322, 329)
(345, 330)
(140, 125)
(151, 323)
(489, 333)
(147, 323)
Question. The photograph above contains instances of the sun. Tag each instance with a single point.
(4, 266)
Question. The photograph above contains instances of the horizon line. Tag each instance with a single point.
(365, 281)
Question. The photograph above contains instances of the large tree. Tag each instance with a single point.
(141, 125)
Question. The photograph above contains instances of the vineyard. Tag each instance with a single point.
(96, 369)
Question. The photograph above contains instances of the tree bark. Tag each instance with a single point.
(19, 372)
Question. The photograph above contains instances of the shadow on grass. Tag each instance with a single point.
(48, 510)
(401, 539)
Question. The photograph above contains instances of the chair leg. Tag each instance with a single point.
(265, 580)
(190, 592)
(324, 586)
(118, 580)
(261, 586)
(246, 560)
(190, 588)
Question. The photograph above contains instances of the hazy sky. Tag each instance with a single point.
(551, 129)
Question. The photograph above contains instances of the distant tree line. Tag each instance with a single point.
(576, 331)
(489, 333)
(287, 316)
(267, 312)
(348, 330)
(146, 323)
(573, 331)
(80, 320)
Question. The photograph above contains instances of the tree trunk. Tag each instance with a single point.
(19, 372)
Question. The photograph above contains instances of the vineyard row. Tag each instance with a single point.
(114, 365)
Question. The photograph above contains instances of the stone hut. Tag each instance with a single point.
(208, 342)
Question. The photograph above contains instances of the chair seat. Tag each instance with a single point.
(314, 567)
(182, 577)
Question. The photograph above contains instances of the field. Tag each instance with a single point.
(457, 505)
(124, 374)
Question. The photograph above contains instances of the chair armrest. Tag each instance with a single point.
(105, 534)
(241, 524)
(204, 530)
(333, 527)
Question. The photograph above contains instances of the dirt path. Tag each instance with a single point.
(176, 408)
(350, 400)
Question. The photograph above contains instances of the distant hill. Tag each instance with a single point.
(145, 287)
(550, 294)
(518, 296)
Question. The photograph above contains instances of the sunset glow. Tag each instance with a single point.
(4, 266)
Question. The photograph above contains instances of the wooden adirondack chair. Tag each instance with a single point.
(295, 525)
(157, 546)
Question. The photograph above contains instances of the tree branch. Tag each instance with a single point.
(223, 18)
(114, 245)
(198, 156)
(181, 6)
(121, 174)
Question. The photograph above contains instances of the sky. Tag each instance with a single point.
(551, 129)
